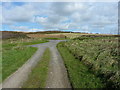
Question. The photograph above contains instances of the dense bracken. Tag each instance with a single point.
(100, 55)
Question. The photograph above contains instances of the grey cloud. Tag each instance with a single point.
(18, 14)
(67, 8)
(56, 19)
(64, 15)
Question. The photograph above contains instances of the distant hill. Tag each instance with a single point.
(11, 34)
(15, 34)
(48, 32)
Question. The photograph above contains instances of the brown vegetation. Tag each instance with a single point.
(11, 34)
(46, 35)
(47, 32)
(50, 34)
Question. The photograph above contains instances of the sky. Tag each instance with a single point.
(89, 17)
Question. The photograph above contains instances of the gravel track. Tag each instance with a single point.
(57, 76)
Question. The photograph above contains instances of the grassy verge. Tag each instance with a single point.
(15, 54)
(14, 58)
(34, 42)
(20, 42)
(100, 55)
(37, 78)
(79, 75)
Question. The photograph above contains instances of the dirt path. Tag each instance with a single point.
(57, 77)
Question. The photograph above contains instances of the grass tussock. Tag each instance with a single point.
(38, 76)
(100, 55)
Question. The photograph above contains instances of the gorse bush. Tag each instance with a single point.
(100, 54)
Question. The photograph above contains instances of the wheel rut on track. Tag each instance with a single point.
(57, 75)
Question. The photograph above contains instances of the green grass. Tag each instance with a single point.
(35, 42)
(15, 53)
(14, 58)
(38, 76)
(100, 55)
(21, 42)
(79, 75)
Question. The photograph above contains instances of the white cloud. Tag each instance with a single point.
(23, 13)
(22, 28)
(63, 15)
(41, 20)
(25, 29)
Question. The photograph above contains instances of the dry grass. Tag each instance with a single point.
(100, 55)
(11, 34)
(66, 35)
(46, 35)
